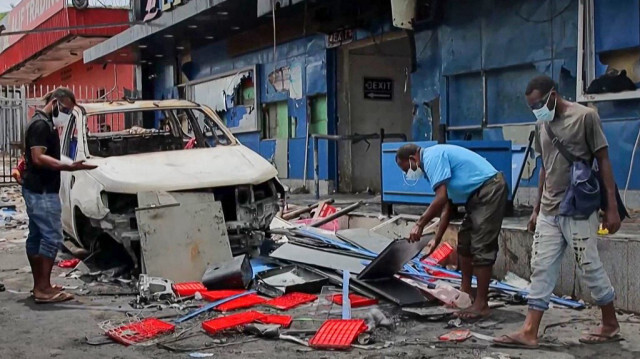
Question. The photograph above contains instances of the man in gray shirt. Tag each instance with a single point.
(579, 129)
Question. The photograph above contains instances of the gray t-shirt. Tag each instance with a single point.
(580, 131)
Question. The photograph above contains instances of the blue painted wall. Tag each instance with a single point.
(309, 54)
(509, 41)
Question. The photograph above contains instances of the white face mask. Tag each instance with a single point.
(62, 119)
(543, 114)
(413, 175)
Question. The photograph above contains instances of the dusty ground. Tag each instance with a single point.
(29, 330)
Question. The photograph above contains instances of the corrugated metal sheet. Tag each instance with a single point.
(32, 44)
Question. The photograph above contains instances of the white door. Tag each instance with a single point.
(68, 146)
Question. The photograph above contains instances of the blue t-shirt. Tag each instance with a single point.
(462, 170)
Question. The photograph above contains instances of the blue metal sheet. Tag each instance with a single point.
(505, 95)
(460, 37)
(396, 190)
(465, 100)
(503, 45)
(267, 149)
(250, 140)
(622, 136)
(296, 159)
(617, 24)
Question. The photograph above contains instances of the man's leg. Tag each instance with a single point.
(486, 211)
(467, 272)
(50, 226)
(548, 248)
(464, 254)
(583, 234)
(33, 239)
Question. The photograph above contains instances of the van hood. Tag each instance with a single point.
(182, 170)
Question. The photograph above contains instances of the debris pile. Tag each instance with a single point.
(321, 289)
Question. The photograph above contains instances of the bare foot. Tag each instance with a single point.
(476, 311)
(602, 334)
(57, 287)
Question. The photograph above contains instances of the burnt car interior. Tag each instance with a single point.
(119, 134)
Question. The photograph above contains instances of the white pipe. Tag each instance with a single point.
(633, 154)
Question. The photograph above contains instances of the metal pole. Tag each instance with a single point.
(306, 151)
(338, 214)
(316, 167)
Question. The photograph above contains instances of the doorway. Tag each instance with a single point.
(374, 92)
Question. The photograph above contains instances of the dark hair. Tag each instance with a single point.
(58, 94)
(407, 150)
(542, 83)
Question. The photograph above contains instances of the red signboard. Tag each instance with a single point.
(27, 15)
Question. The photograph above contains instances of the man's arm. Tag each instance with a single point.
(435, 208)
(612, 217)
(442, 228)
(531, 225)
(40, 159)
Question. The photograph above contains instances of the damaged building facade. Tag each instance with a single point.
(343, 68)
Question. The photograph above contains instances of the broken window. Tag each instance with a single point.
(276, 122)
(231, 96)
(178, 129)
(608, 59)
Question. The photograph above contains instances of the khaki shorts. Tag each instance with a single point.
(478, 236)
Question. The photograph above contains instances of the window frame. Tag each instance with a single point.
(587, 57)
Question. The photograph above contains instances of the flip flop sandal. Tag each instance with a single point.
(514, 344)
(474, 318)
(604, 339)
(54, 286)
(57, 298)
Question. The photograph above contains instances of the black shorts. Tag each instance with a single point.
(478, 236)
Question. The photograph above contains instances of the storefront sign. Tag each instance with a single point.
(340, 37)
(378, 89)
(155, 7)
(27, 15)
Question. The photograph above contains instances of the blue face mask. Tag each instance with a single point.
(543, 114)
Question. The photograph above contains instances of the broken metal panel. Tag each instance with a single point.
(282, 158)
(393, 258)
(365, 238)
(317, 257)
(394, 290)
(181, 234)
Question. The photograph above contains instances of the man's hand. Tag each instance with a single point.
(611, 219)
(80, 166)
(416, 233)
(531, 226)
(432, 245)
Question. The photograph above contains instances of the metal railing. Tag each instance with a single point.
(355, 138)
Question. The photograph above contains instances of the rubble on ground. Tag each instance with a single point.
(314, 285)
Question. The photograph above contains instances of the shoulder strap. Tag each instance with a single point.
(558, 144)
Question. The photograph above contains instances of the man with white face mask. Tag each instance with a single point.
(41, 184)
(462, 176)
(579, 131)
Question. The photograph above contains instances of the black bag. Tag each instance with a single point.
(612, 81)
(585, 193)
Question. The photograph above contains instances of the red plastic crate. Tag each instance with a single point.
(291, 300)
(140, 331)
(439, 255)
(356, 300)
(216, 325)
(188, 288)
(243, 302)
(284, 320)
(337, 333)
(214, 295)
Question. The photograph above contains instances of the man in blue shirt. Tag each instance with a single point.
(459, 175)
